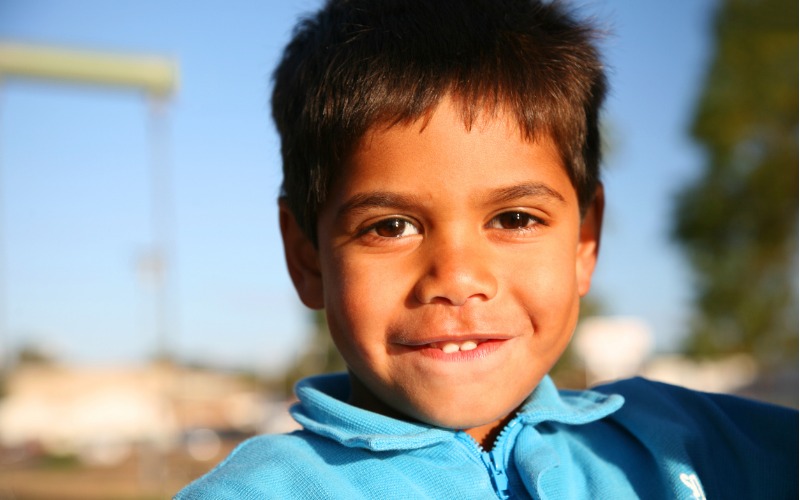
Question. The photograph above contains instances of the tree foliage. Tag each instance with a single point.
(738, 220)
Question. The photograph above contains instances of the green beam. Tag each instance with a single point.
(156, 75)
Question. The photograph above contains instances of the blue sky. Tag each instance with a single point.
(75, 181)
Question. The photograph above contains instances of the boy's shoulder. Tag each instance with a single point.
(651, 400)
(655, 410)
(341, 452)
(264, 466)
(307, 464)
(728, 440)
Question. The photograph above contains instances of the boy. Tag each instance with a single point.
(441, 201)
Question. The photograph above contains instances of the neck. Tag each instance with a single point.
(486, 435)
(363, 398)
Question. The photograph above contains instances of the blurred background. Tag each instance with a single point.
(147, 323)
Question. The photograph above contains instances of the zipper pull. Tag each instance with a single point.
(493, 462)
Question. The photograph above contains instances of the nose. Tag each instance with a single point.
(456, 270)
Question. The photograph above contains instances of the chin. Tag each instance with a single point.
(462, 415)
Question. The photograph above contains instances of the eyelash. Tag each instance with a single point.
(531, 223)
(385, 224)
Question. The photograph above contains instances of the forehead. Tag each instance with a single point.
(442, 153)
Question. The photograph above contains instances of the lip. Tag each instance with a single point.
(486, 346)
(423, 342)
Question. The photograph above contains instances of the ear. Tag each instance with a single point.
(302, 259)
(589, 241)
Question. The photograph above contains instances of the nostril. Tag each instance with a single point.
(455, 291)
(458, 268)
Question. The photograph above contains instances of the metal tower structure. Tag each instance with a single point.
(158, 78)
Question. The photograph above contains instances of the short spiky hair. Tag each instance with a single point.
(359, 63)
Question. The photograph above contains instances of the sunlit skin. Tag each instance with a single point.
(437, 234)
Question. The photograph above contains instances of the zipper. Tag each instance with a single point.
(494, 463)
(493, 460)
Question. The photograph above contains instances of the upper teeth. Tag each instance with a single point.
(451, 347)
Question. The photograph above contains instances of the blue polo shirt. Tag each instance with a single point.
(631, 439)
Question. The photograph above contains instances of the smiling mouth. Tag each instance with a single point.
(454, 345)
(451, 347)
(454, 348)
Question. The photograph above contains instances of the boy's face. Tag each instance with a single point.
(450, 263)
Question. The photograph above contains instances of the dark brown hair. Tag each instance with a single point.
(359, 63)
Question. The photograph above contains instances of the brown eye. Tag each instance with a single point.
(513, 220)
(394, 228)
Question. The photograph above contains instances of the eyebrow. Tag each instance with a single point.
(529, 189)
(377, 199)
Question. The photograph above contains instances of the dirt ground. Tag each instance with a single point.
(137, 478)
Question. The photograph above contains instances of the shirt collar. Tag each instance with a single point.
(323, 410)
(548, 404)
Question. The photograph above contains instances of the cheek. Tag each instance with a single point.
(548, 291)
(359, 303)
